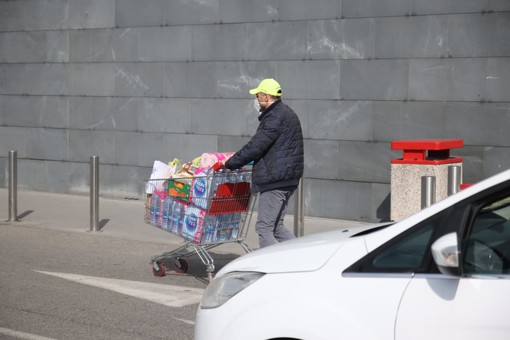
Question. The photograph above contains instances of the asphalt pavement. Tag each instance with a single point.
(62, 281)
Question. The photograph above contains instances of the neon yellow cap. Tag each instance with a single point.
(269, 86)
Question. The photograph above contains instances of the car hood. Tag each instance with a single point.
(306, 253)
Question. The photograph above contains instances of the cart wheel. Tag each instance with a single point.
(158, 269)
(180, 266)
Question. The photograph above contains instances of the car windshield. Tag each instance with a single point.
(488, 246)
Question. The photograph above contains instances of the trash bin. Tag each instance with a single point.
(420, 158)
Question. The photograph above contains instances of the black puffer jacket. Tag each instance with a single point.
(276, 150)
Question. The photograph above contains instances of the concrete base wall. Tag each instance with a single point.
(406, 186)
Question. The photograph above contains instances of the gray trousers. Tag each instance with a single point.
(272, 210)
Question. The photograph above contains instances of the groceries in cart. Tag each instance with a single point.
(197, 200)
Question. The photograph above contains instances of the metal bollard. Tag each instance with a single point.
(428, 191)
(13, 186)
(94, 193)
(299, 215)
(453, 179)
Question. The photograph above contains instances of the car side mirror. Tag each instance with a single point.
(446, 254)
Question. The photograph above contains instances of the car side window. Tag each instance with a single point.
(487, 248)
(409, 252)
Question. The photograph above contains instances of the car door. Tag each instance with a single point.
(476, 303)
(384, 274)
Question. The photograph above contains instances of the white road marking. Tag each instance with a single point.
(168, 295)
(21, 335)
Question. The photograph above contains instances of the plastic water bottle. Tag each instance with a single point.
(159, 213)
(199, 188)
(219, 178)
(159, 208)
(155, 203)
(171, 213)
(167, 212)
(206, 230)
(232, 176)
(151, 210)
(178, 216)
(210, 224)
(235, 223)
(223, 226)
(244, 176)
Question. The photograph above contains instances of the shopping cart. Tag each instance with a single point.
(207, 210)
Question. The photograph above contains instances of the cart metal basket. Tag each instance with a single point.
(206, 210)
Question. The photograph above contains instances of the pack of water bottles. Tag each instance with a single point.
(209, 207)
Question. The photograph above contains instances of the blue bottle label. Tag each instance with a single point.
(199, 187)
(191, 223)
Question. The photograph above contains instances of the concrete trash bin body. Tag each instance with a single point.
(420, 158)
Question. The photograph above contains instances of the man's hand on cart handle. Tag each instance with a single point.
(218, 165)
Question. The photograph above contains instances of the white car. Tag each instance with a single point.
(443, 273)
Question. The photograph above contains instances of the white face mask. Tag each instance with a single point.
(263, 104)
(256, 105)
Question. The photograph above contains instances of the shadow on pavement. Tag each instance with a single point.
(103, 222)
(24, 214)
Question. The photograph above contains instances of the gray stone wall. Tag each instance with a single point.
(133, 81)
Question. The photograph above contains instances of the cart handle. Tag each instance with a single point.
(219, 165)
